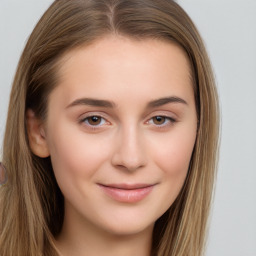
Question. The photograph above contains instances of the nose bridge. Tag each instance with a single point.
(130, 152)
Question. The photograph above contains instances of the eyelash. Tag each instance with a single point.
(91, 126)
(167, 121)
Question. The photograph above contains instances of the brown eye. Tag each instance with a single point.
(159, 120)
(94, 120)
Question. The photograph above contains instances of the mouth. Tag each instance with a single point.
(127, 193)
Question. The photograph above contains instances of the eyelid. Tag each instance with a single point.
(164, 116)
(86, 120)
(85, 116)
(164, 113)
(92, 113)
(171, 119)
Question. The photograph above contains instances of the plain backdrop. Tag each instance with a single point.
(228, 28)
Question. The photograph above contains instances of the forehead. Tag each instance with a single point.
(114, 63)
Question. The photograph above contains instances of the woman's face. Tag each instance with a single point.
(121, 129)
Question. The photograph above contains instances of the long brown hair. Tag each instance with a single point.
(31, 204)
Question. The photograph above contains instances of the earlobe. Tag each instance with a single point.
(36, 135)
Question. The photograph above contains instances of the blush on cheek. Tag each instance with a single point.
(173, 161)
(77, 160)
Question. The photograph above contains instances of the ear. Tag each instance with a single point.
(36, 135)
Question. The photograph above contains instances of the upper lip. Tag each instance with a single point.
(128, 186)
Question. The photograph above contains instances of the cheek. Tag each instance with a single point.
(75, 157)
(173, 154)
(173, 158)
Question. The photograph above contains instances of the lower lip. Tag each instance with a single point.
(127, 195)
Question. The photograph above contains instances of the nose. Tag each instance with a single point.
(129, 151)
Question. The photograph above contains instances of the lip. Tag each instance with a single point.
(127, 193)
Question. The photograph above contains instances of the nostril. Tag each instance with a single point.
(128, 163)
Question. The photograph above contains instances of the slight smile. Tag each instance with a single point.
(127, 193)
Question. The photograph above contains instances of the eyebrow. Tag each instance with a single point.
(92, 102)
(164, 101)
(110, 104)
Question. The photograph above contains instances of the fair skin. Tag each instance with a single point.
(120, 131)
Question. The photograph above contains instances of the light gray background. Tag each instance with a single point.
(229, 30)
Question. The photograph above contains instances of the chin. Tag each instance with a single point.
(128, 229)
(128, 224)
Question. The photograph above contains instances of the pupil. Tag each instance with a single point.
(94, 120)
(159, 119)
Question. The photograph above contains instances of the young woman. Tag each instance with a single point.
(112, 133)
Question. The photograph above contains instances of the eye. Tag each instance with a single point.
(161, 120)
(94, 121)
